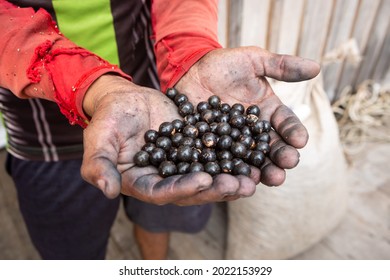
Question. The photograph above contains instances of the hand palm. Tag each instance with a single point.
(239, 75)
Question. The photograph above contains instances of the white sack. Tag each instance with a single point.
(280, 222)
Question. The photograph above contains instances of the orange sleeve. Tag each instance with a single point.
(184, 31)
(36, 60)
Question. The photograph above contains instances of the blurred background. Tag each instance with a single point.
(336, 203)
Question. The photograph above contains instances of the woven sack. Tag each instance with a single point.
(280, 222)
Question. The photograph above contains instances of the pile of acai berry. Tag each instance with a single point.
(212, 137)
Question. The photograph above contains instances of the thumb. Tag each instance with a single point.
(286, 68)
(101, 172)
(99, 160)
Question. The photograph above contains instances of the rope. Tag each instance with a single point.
(363, 116)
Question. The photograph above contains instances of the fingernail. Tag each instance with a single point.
(108, 191)
(101, 184)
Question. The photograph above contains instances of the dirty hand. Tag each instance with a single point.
(238, 75)
(121, 113)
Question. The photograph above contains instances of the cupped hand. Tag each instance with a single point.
(121, 113)
(239, 75)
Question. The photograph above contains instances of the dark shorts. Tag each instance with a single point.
(68, 218)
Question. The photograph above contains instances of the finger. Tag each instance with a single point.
(288, 125)
(223, 185)
(290, 68)
(150, 187)
(271, 174)
(228, 185)
(247, 186)
(102, 173)
(281, 154)
(284, 120)
(255, 174)
(231, 197)
(100, 160)
(225, 188)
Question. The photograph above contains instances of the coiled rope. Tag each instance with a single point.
(363, 116)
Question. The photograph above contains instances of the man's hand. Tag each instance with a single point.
(121, 113)
(239, 76)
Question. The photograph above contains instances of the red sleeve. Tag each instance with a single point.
(184, 31)
(37, 61)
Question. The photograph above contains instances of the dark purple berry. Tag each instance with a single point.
(167, 168)
(224, 154)
(166, 129)
(242, 168)
(141, 158)
(207, 116)
(190, 131)
(235, 134)
(239, 107)
(237, 121)
(212, 168)
(176, 139)
(253, 110)
(223, 118)
(184, 153)
(196, 167)
(234, 113)
(172, 154)
(267, 126)
(196, 117)
(224, 142)
(180, 99)
(186, 108)
(187, 141)
(183, 167)
(209, 140)
(247, 140)
(264, 137)
(246, 131)
(214, 101)
(257, 127)
(157, 156)
(178, 125)
(238, 149)
(237, 161)
(207, 155)
(251, 120)
(213, 127)
(247, 155)
(190, 119)
(164, 142)
(198, 144)
(217, 114)
(171, 93)
(225, 108)
(202, 106)
(148, 147)
(195, 155)
(223, 128)
(151, 136)
(263, 146)
(226, 166)
(202, 127)
(256, 158)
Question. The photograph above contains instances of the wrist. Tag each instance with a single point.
(104, 85)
